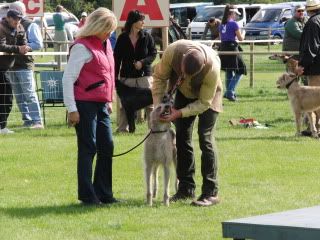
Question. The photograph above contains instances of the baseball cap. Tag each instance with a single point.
(84, 14)
(212, 19)
(193, 61)
(299, 7)
(235, 10)
(14, 13)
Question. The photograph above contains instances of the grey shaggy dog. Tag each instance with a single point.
(159, 149)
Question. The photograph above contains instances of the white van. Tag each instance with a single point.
(198, 24)
(4, 7)
(71, 24)
(184, 11)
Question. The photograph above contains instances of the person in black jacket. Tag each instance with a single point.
(175, 33)
(133, 54)
(309, 60)
(12, 40)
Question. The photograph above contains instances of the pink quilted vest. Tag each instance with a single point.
(96, 79)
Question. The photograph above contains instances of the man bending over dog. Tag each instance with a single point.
(194, 70)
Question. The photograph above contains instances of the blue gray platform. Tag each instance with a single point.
(300, 224)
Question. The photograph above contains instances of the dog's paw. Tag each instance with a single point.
(166, 202)
(149, 200)
(298, 134)
(154, 195)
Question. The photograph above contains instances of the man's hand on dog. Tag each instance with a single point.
(299, 70)
(174, 114)
(73, 118)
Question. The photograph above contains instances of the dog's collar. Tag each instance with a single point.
(289, 84)
(158, 131)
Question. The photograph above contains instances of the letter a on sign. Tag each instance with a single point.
(156, 11)
(150, 8)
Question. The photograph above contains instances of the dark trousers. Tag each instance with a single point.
(185, 154)
(5, 99)
(94, 136)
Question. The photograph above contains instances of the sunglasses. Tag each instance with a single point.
(300, 10)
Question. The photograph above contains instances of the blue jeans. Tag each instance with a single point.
(23, 88)
(232, 80)
(94, 135)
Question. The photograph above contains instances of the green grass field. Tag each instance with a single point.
(260, 171)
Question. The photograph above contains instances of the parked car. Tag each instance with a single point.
(268, 22)
(48, 25)
(184, 11)
(197, 25)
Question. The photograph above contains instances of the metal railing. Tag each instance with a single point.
(59, 64)
(270, 33)
(251, 52)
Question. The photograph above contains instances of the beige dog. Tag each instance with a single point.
(304, 99)
(159, 149)
(290, 62)
(292, 65)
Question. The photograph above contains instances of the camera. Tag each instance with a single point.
(20, 38)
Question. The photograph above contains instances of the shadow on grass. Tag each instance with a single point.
(254, 138)
(260, 99)
(37, 211)
(67, 209)
(262, 94)
(280, 120)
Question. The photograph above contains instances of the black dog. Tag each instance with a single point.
(133, 99)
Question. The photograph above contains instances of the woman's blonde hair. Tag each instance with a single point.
(100, 20)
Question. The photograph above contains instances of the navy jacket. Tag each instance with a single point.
(310, 46)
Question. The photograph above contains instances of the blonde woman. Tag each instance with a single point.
(88, 84)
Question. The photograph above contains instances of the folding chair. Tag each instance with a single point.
(51, 90)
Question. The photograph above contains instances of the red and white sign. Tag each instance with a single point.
(34, 8)
(156, 11)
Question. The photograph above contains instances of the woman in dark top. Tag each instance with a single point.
(233, 65)
(133, 54)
